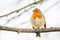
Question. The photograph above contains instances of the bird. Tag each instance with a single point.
(37, 20)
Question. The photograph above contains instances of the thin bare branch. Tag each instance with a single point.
(21, 8)
(26, 30)
(17, 16)
(52, 6)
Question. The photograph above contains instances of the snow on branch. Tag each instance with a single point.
(27, 30)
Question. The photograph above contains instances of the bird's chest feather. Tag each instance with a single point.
(38, 22)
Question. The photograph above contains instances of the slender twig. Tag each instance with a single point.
(21, 8)
(17, 16)
(52, 6)
(27, 30)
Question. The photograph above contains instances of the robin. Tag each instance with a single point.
(37, 20)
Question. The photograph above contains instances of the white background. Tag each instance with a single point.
(52, 16)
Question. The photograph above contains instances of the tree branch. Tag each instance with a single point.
(17, 16)
(21, 8)
(26, 30)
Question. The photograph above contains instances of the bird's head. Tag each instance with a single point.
(36, 10)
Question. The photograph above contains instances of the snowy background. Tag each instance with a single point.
(50, 9)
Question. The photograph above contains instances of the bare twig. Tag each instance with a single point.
(26, 30)
(52, 6)
(21, 8)
(17, 16)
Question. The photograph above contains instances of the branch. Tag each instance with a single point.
(17, 16)
(52, 6)
(21, 8)
(26, 30)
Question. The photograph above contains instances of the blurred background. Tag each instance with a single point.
(50, 9)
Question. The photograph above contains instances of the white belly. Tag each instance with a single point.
(38, 22)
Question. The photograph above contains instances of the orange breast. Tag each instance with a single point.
(36, 14)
